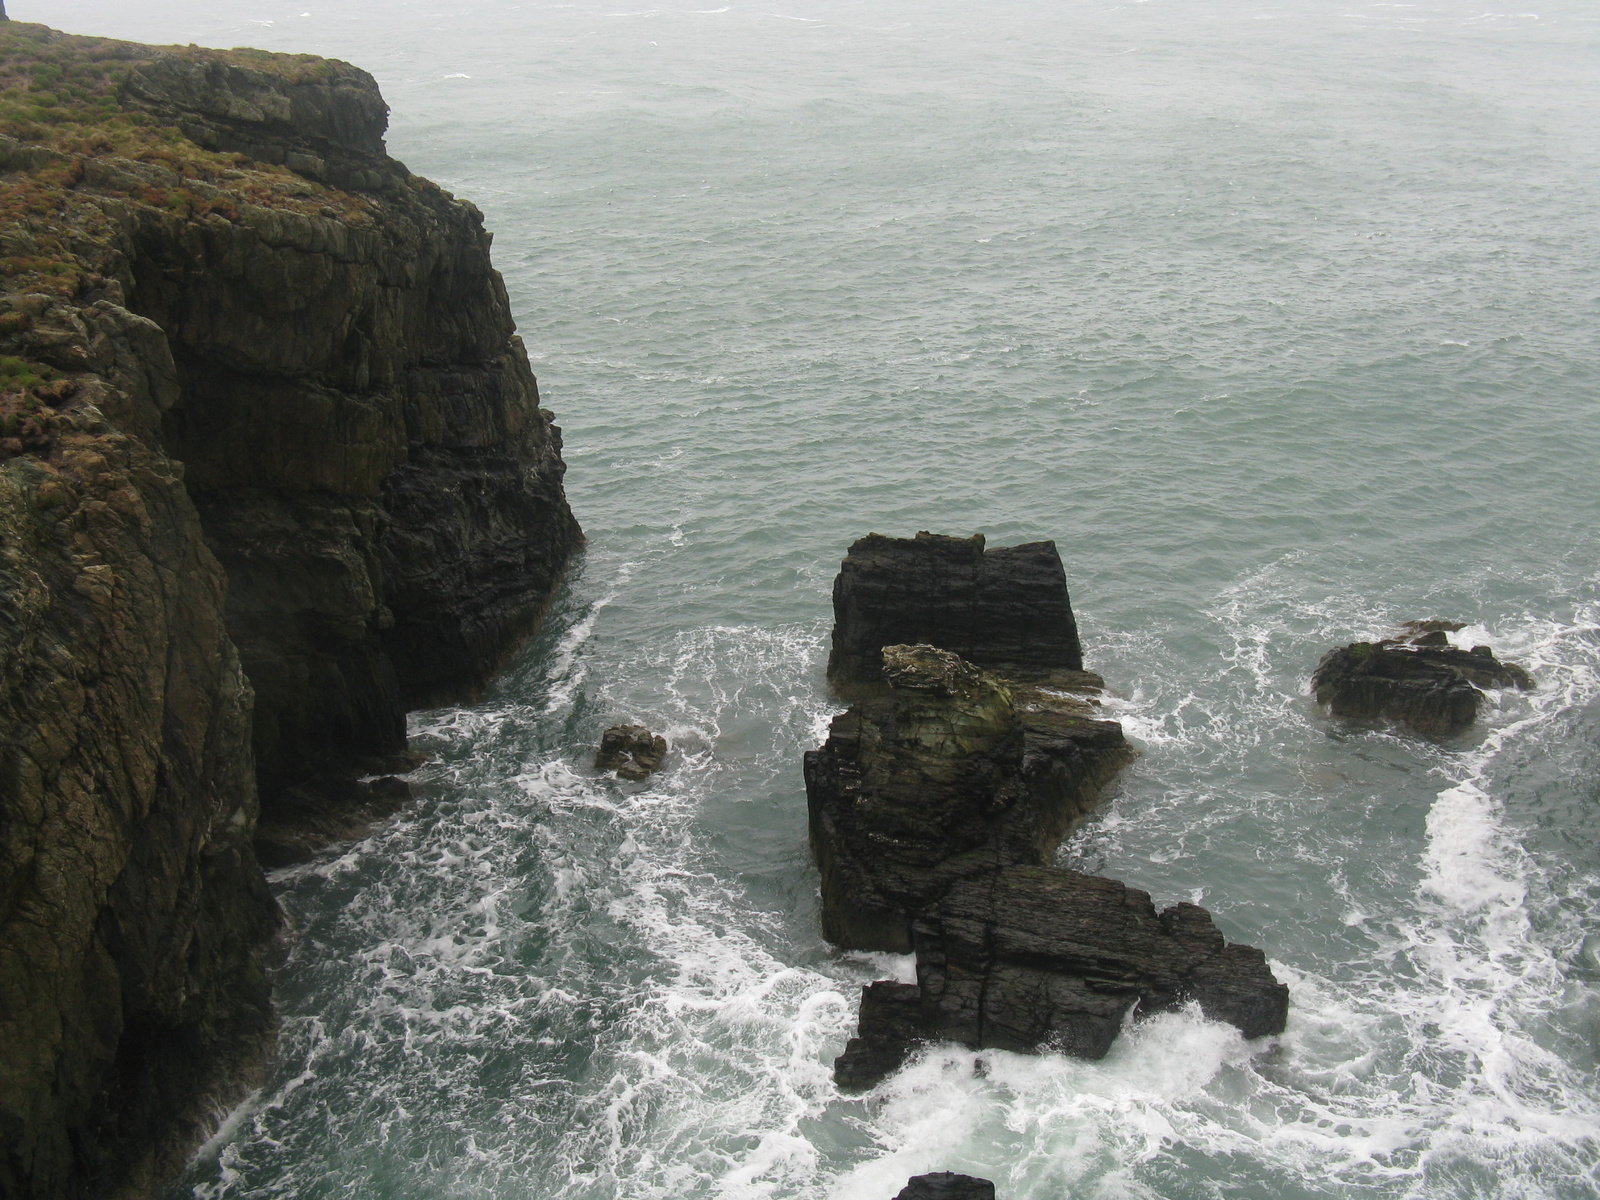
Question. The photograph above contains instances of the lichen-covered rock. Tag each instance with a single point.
(132, 911)
(250, 417)
(1005, 610)
(946, 1185)
(937, 804)
(941, 775)
(632, 751)
(1421, 682)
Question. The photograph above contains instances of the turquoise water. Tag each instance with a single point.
(1279, 318)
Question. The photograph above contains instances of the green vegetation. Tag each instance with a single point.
(59, 112)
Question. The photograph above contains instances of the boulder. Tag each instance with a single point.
(1419, 681)
(1006, 609)
(942, 775)
(632, 751)
(946, 1185)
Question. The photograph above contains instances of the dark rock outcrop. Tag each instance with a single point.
(632, 751)
(272, 469)
(360, 429)
(937, 804)
(1421, 681)
(944, 774)
(132, 910)
(946, 1185)
(1023, 957)
(1006, 609)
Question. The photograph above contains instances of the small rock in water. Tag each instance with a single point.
(632, 751)
(1419, 680)
(946, 1185)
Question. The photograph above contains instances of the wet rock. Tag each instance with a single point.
(946, 1185)
(1005, 610)
(1025, 958)
(632, 751)
(940, 775)
(940, 798)
(323, 810)
(1421, 682)
(889, 1028)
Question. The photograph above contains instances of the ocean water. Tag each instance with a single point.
(1281, 318)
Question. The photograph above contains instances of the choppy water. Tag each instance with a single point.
(1280, 318)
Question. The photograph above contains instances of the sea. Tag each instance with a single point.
(1281, 319)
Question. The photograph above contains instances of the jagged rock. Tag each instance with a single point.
(946, 1185)
(1421, 682)
(258, 422)
(889, 1026)
(936, 805)
(133, 914)
(1023, 958)
(632, 751)
(1005, 610)
(943, 775)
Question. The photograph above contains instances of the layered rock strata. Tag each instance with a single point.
(936, 806)
(1023, 958)
(1419, 681)
(942, 775)
(272, 469)
(1006, 609)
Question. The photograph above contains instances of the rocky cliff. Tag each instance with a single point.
(272, 470)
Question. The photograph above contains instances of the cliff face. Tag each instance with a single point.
(272, 470)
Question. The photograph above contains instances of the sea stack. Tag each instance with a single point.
(939, 800)
(1006, 609)
(273, 469)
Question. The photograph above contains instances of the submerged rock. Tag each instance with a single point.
(1421, 682)
(1005, 610)
(632, 751)
(334, 808)
(946, 1185)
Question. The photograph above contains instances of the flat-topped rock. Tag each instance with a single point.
(940, 798)
(1420, 681)
(1005, 610)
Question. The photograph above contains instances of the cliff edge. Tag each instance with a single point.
(273, 469)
